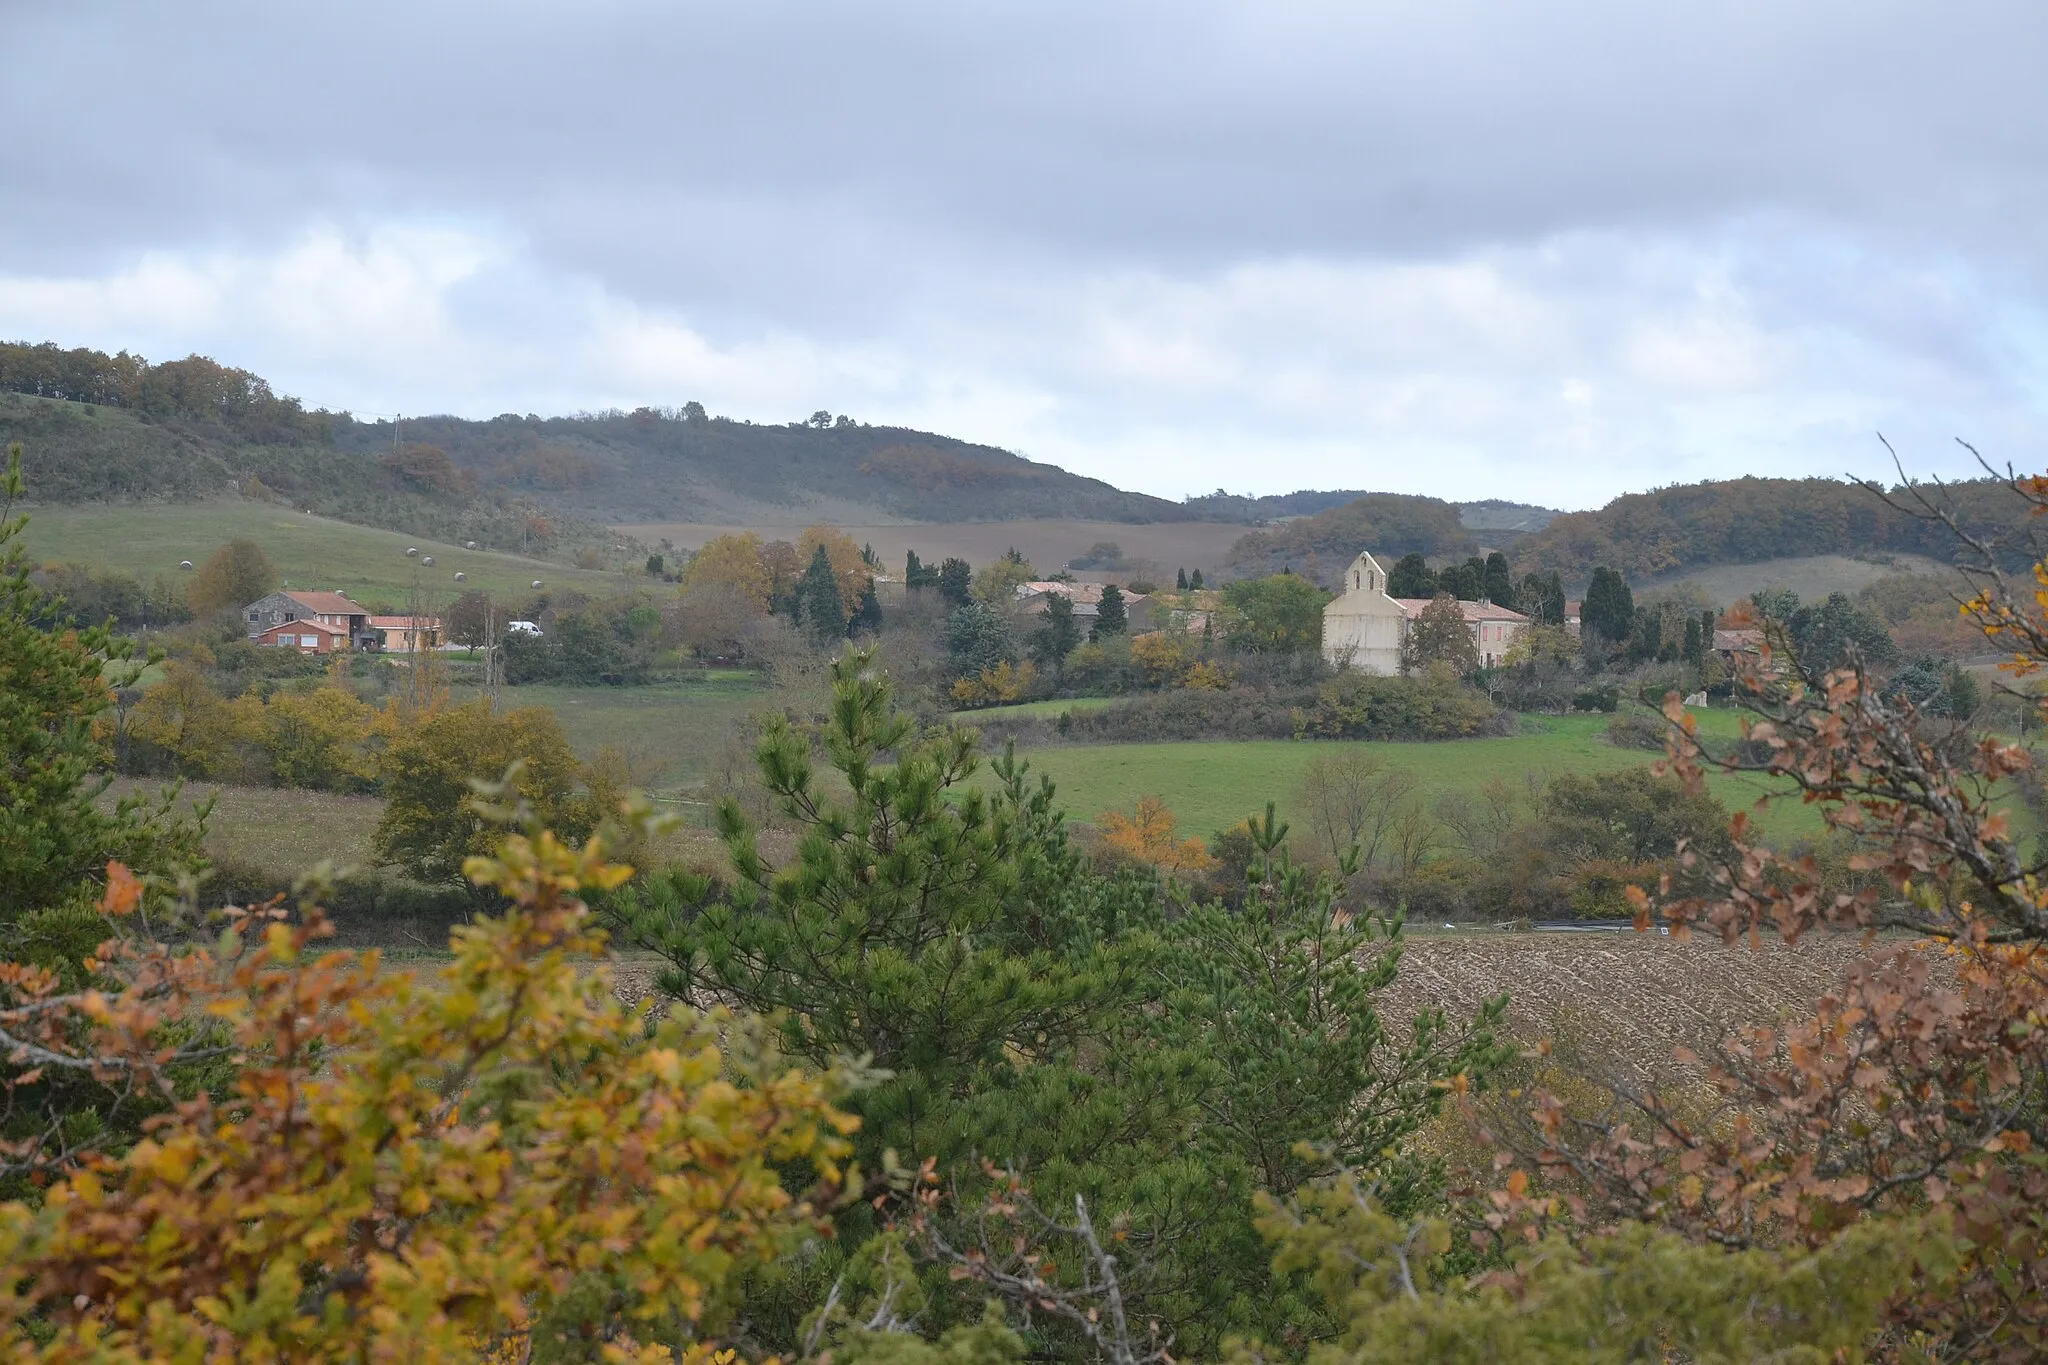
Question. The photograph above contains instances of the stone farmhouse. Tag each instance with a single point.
(1087, 600)
(1364, 628)
(311, 622)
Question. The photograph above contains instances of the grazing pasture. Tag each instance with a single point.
(1813, 577)
(1212, 786)
(310, 552)
(670, 732)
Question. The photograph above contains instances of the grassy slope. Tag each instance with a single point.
(1213, 785)
(1813, 577)
(311, 552)
(1033, 708)
(671, 733)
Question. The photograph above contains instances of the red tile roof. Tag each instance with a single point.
(331, 602)
(1474, 611)
(294, 627)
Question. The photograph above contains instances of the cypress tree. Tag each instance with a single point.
(1410, 577)
(818, 602)
(867, 617)
(1499, 586)
(1056, 638)
(1195, 580)
(1610, 609)
(1110, 616)
(1180, 580)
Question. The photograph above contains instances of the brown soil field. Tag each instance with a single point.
(1633, 997)
(1047, 544)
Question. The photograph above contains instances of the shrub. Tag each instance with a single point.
(429, 826)
(1605, 697)
(1637, 730)
(510, 1160)
(1364, 706)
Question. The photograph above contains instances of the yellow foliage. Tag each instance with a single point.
(326, 738)
(734, 562)
(315, 739)
(1003, 683)
(1148, 835)
(414, 1172)
(1162, 658)
(1207, 676)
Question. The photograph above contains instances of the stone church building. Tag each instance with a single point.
(1363, 627)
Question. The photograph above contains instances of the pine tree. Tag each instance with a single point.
(56, 835)
(1180, 580)
(818, 603)
(1195, 580)
(956, 581)
(1030, 1012)
(1110, 616)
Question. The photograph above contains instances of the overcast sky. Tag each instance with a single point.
(1545, 252)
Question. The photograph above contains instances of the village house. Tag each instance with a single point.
(1087, 600)
(1364, 628)
(407, 634)
(311, 622)
(1734, 646)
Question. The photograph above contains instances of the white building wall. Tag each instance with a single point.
(1363, 626)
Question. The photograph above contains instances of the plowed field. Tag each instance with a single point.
(1632, 997)
(1635, 997)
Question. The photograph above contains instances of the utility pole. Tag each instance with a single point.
(491, 666)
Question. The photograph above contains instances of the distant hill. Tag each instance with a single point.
(680, 465)
(1499, 521)
(1256, 510)
(119, 427)
(1751, 520)
(76, 453)
(1320, 546)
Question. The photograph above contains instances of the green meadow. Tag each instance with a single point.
(669, 733)
(310, 552)
(1211, 786)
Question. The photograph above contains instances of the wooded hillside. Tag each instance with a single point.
(683, 465)
(119, 427)
(1744, 521)
(1388, 524)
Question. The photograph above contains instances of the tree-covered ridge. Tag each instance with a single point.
(220, 425)
(684, 464)
(1744, 521)
(195, 389)
(1322, 546)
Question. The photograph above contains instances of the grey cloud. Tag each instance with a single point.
(1058, 200)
